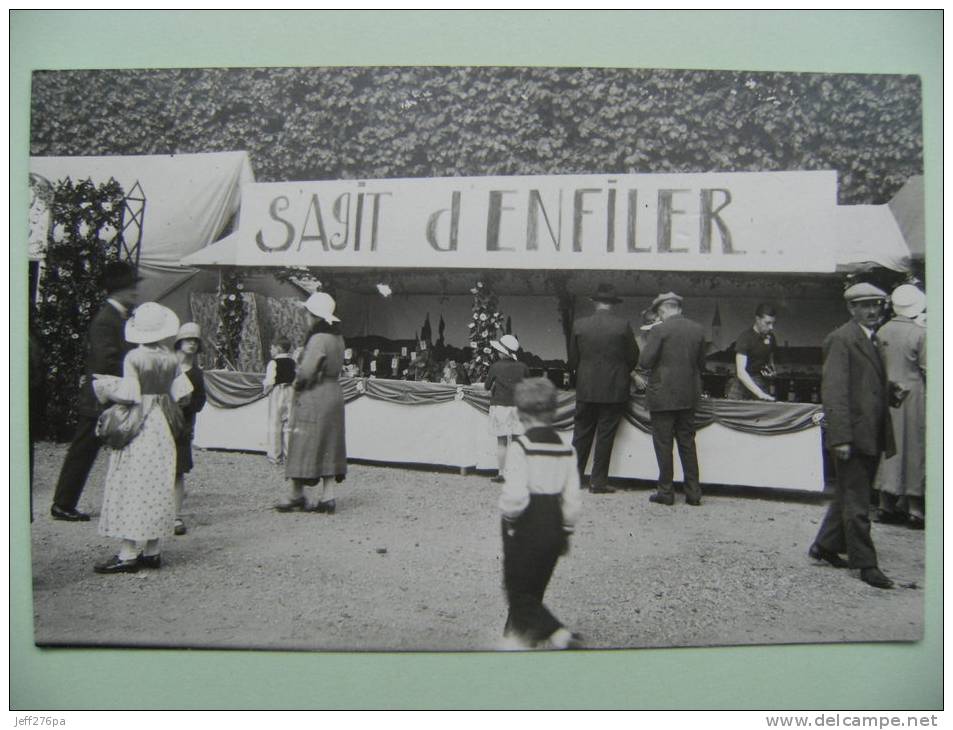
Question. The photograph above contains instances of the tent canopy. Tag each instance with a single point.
(189, 201)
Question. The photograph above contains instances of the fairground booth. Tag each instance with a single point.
(426, 271)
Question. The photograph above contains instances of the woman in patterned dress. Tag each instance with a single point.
(316, 448)
(138, 503)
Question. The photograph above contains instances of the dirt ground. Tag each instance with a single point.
(412, 561)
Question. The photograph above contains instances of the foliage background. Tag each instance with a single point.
(86, 221)
(373, 122)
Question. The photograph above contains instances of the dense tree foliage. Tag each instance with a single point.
(327, 123)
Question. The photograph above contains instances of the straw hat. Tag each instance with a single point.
(321, 305)
(864, 292)
(189, 331)
(908, 301)
(151, 322)
(507, 344)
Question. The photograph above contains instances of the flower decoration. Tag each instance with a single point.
(82, 238)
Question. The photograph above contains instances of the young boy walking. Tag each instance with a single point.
(540, 502)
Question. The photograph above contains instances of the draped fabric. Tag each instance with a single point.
(228, 389)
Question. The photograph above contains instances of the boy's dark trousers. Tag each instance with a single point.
(531, 546)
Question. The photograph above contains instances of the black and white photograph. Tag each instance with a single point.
(476, 358)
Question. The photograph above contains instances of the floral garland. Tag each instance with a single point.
(85, 225)
(486, 326)
(231, 317)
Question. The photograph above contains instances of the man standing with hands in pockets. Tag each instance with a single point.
(855, 394)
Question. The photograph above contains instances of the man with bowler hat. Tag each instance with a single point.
(856, 398)
(106, 348)
(674, 355)
(602, 353)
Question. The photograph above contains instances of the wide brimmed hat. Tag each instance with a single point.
(864, 292)
(189, 331)
(507, 344)
(908, 301)
(118, 275)
(606, 293)
(666, 297)
(151, 322)
(321, 305)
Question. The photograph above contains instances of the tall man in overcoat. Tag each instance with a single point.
(602, 353)
(674, 355)
(855, 395)
(106, 348)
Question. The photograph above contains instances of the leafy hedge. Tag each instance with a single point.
(326, 123)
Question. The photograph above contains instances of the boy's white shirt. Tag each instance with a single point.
(548, 475)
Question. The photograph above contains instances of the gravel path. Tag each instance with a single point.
(412, 561)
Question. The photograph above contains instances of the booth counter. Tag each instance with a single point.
(744, 443)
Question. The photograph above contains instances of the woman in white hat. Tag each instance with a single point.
(901, 479)
(501, 380)
(138, 503)
(188, 344)
(316, 449)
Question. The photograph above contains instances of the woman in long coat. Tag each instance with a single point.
(901, 479)
(316, 450)
(138, 503)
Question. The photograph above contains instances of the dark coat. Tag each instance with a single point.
(602, 352)
(106, 348)
(855, 392)
(674, 353)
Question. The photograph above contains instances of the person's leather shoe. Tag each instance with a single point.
(819, 553)
(660, 498)
(603, 490)
(873, 577)
(326, 508)
(153, 562)
(887, 517)
(68, 515)
(916, 523)
(179, 527)
(693, 502)
(115, 565)
(291, 505)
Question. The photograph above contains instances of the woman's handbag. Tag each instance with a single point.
(119, 424)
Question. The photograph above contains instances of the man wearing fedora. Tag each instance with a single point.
(106, 348)
(674, 356)
(602, 353)
(855, 395)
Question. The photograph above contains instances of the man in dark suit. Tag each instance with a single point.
(106, 348)
(674, 355)
(855, 394)
(602, 353)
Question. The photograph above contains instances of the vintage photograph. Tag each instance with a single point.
(485, 358)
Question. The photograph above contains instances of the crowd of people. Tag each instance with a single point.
(143, 387)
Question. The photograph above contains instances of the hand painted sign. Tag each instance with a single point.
(771, 221)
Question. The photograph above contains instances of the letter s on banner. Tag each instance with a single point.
(279, 204)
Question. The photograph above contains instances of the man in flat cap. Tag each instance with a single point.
(674, 355)
(602, 353)
(855, 395)
(106, 348)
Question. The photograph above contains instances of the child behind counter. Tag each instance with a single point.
(277, 385)
(540, 502)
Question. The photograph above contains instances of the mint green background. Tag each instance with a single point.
(903, 676)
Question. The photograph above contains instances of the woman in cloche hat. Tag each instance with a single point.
(316, 448)
(138, 503)
(188, 344)
(501, 380)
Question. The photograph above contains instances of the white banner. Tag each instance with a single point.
(764, 221)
